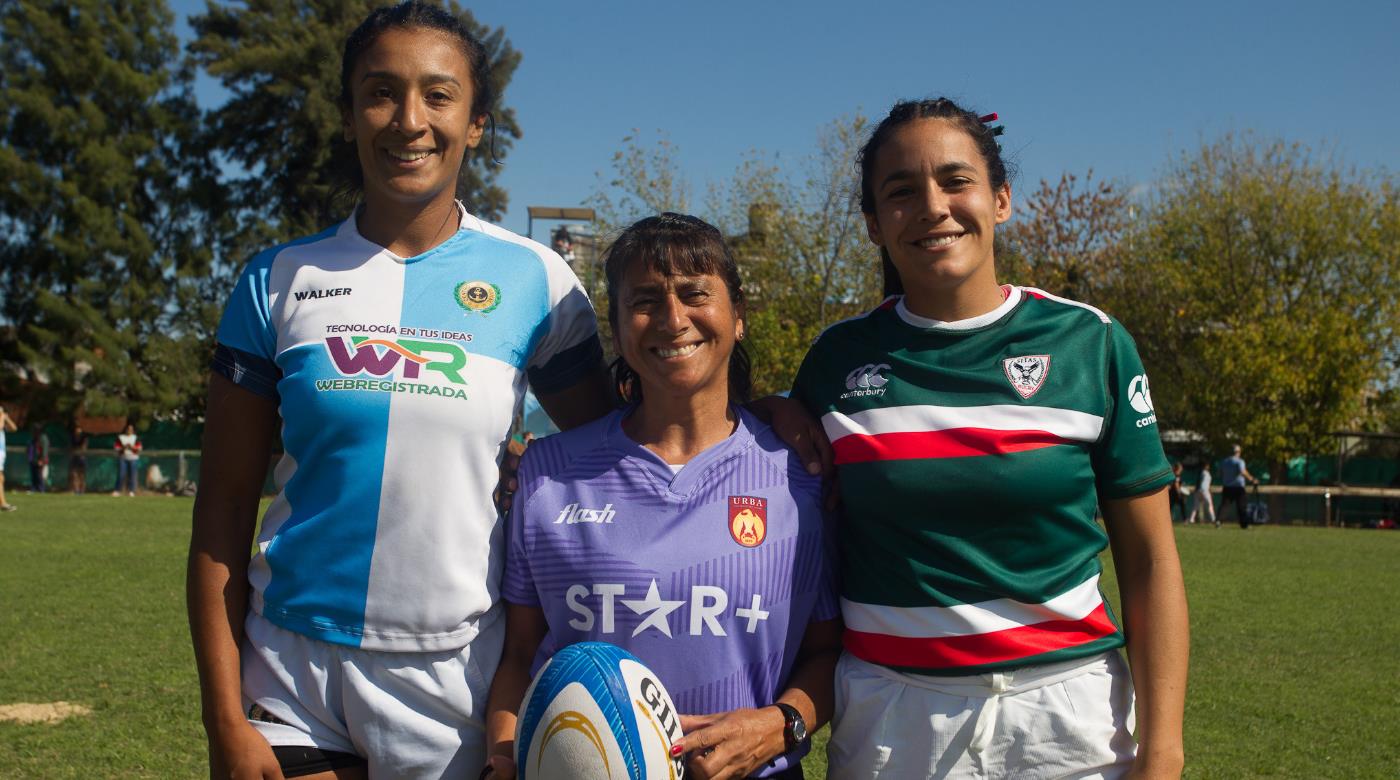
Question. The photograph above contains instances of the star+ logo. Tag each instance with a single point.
(596, 606)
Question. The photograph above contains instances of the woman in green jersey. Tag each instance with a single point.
(978, 428)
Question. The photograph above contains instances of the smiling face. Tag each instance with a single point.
(676, 332)
(410, 116)
(935, 207)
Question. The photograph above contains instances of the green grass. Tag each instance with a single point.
(1295, 646)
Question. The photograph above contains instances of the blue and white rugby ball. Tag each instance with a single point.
(595, 712)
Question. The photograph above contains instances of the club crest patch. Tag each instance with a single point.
(748, 520)
(480, 297)
(1026, 373)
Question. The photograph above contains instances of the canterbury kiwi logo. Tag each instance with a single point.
(1139, 396)
(867, 376)
(569, 720)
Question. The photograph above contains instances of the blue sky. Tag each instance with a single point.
(1117, 87)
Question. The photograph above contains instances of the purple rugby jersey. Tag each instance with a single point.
(710, 576)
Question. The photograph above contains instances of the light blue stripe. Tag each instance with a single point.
(320, 557)
(507, 333)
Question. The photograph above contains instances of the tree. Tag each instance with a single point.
(99, 202)
(797, 236)
(806, 258)
(282, 124)
(1067, 237)
(1259, 287)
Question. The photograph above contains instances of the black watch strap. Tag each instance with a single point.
(794, 727)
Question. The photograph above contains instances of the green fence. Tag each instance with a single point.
(178, 470)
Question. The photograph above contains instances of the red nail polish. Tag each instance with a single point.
(677, 749)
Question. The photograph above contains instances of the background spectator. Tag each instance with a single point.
(7, 424)
(1233, 477)
(38, 453)
(77, 461)
(129, 448)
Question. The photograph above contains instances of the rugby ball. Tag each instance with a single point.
(595, 712)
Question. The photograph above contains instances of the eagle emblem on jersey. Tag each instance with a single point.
(1027, 373)
(480, 297)
(748, 520)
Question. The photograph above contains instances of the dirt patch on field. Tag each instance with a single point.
(50, 712)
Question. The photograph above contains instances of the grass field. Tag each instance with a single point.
(1295, 645)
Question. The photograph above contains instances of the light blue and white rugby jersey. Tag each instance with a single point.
(397, 379)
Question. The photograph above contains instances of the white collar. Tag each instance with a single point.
(1013, 297)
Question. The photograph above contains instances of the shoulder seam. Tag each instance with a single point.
(1097, 311)
(273, 252)
(854, 317)
(497, 233)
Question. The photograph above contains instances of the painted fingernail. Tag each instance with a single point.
(677, 749)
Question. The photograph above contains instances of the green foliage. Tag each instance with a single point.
(797, 235)
(283, 124)
(1066, 238)
(1258, 287)
(100, 195)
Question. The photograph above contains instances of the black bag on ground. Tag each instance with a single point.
(1257, 510)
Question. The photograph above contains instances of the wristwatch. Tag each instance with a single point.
(794, 727)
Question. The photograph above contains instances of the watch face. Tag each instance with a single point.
(799, 730)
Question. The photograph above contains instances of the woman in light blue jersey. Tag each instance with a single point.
(392, 350)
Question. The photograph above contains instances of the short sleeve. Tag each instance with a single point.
(569, 349)
(247, 342)
(518, 584)
(1128, 458)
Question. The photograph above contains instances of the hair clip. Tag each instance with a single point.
(996, 131)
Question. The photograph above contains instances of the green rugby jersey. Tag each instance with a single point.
(971, 456)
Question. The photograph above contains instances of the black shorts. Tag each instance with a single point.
(299, 760)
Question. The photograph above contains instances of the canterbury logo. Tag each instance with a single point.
(1139, 396)
(867, 376)
(569, 720)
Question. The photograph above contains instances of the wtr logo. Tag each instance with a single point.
(381, 357)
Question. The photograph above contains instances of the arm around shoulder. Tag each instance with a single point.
(582, 402)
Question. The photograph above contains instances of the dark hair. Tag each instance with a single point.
(675, 244)
(414, 14)
(903, 113)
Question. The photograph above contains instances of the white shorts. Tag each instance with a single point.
(411, 715)
(1068, 720)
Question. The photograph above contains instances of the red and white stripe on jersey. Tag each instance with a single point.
(971, 634)
(907, 432)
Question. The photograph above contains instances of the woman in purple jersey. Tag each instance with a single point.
(933, 191)
(677, 317)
